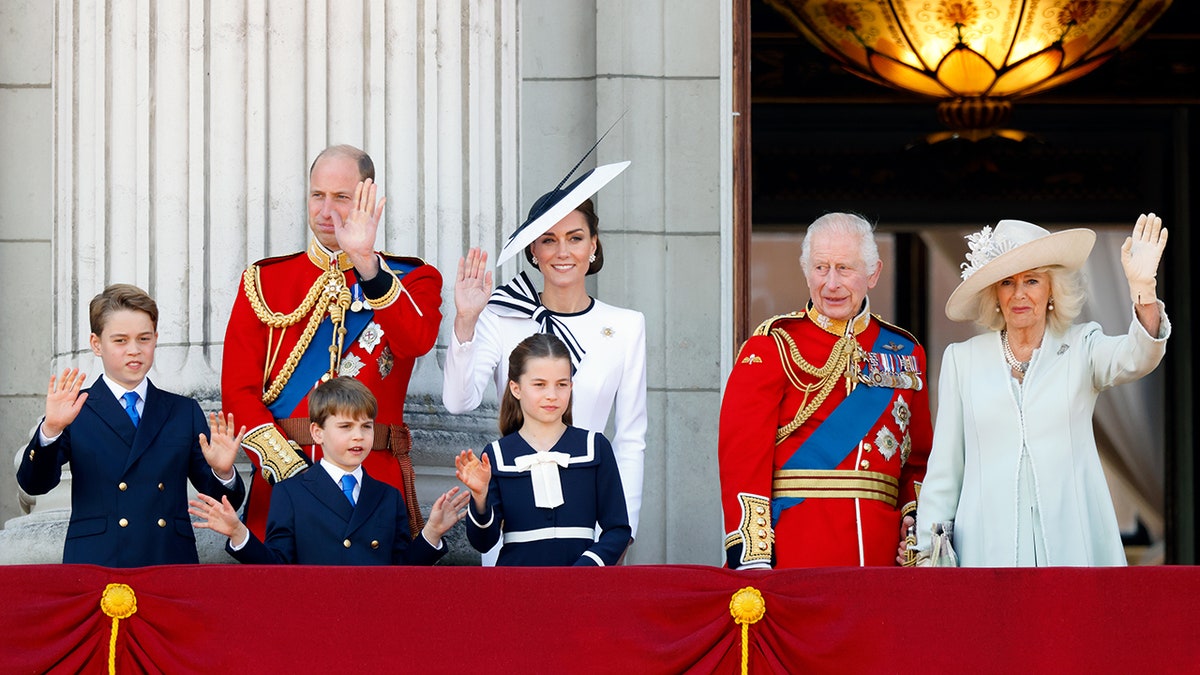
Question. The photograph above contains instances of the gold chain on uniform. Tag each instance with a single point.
(328, 288)
(844, 360)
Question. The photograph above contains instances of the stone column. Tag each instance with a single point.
(664, 222)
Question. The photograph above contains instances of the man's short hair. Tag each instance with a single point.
(844, 224)
(117, 297)
(366, 168)
(341, 396)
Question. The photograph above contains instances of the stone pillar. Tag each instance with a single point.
(664, 64)
(183, 133)
(26, 108)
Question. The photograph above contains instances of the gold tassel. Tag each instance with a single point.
(747, 606)
(119, 602)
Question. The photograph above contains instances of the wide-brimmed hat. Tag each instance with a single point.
(1014, 246)
(556, 204)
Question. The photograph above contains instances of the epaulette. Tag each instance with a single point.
(898, 329)
(410, 259)
(278, 258)
(765, 327)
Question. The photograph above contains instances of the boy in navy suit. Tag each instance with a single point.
(132, 447)
(334, 513)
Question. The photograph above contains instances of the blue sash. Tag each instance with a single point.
(853, 419)
(315, 362)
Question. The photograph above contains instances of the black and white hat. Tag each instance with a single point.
(557, 203)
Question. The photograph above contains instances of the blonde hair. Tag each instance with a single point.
(1068, 289)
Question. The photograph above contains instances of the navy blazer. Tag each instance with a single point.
(311, 522)
(128, 485)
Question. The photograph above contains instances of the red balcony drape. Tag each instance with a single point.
(637, 619)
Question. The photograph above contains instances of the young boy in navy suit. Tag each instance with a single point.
(334, 513)
(132, 447)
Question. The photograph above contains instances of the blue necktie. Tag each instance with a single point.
(131, 399)
(348, 487)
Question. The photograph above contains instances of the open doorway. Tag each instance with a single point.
(815, 139)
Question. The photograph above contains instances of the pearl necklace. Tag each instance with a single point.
(1009, 357)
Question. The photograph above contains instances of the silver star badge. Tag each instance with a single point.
(370, 338)
(351, 366)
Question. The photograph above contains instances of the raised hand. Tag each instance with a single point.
(1140, 256)
(218, 516)
(356, 235)
(472, 288)
(63, 401)
(225, 443)
(445, 512)
(475, 474)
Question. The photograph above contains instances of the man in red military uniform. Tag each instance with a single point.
(339, 309)
(824, 429)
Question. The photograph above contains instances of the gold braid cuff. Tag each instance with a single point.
(393, 291)
(910, 509)
(279, 457)
(755, 534)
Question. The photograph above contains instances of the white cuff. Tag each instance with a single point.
(482, 526)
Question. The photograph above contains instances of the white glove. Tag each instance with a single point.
(1140, 255)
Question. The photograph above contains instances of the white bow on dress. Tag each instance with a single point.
(543, 472)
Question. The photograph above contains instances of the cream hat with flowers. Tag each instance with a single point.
(1014, 246)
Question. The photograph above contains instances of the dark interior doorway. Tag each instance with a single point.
(813, 138)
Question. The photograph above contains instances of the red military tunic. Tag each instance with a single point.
(260, 359)
(797, 493)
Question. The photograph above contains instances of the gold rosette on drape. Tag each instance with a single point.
(119, 602)
(747, 606)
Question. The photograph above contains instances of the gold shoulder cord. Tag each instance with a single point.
(843, 361)
(329, 288)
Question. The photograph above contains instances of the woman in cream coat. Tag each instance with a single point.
(1014, 463)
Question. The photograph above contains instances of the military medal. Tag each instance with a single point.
(901, 413)
(370, 337)
(886, 443)
(358, 304)
(894, 371)
(351, 366)
(385, 362)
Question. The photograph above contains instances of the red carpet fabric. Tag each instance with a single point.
(651, 619)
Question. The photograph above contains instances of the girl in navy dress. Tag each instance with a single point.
(546, 485)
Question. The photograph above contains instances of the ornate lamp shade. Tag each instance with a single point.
(975, 55)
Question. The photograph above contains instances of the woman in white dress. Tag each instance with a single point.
(608, 344)
(1014, 464)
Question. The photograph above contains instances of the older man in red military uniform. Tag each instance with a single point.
(824, 429)
(339, 309)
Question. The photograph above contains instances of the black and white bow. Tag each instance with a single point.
(519, 298)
